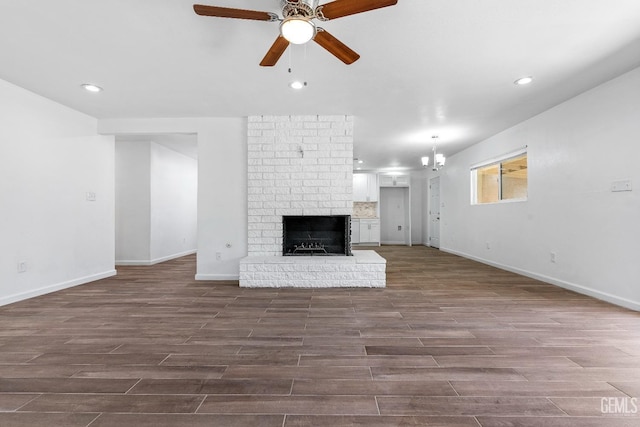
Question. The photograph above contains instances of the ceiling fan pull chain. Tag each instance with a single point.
(290, 59)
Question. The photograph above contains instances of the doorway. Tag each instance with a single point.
(434, 212)
(156, 197)
(395, 220)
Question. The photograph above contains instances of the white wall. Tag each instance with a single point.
(424, 177)
(50, 158)
(222, 198)
(575, 151)
(133, 202)
(417, 197)
(156, 203)
(174, 203)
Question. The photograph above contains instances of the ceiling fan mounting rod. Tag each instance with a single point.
(312, 4)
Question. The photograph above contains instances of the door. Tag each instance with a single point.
(392, 216)
(434, 212)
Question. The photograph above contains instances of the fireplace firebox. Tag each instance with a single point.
(316, 235)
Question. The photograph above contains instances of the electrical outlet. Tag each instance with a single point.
(488, 245)
(552, 257)
(218, 256)
(22, 267)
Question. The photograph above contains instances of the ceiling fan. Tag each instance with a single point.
(297, 26)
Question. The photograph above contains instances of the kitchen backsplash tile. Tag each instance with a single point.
(365, 209)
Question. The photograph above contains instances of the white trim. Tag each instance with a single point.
(217, 277)
(399, 242)
(155, 261)
(521, 199)
(603, 296)
(56, 287)
(499, 159)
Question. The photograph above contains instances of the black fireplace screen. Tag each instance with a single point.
(316, 235)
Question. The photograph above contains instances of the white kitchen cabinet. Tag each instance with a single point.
(370, 231)
(365, 187)
(394, 181)
(355, 231)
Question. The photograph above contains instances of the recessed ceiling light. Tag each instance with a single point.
(360, 161)
(523, 81)
(297, 84)
(91, 87)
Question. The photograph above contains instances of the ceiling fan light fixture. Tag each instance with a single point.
(297, 30)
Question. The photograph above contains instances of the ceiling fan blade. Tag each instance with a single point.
(336, 47)
(275, 52)
(340, 8)
(226, 12)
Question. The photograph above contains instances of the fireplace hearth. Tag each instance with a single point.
(316, 235)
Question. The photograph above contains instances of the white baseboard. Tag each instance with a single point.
(604, 296)
(399, 242)
(56, 287)
(155, 261)
(218, 277)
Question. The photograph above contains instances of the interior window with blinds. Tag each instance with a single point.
(500, 180)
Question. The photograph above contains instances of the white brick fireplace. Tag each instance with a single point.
(301, 165)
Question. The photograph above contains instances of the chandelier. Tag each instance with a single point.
(438, 158)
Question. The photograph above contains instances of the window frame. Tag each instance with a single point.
(497, 161)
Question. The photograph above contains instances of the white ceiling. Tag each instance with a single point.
(427, 67)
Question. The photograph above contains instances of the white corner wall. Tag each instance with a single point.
(575, 151)
(50, 158)
(174, 204)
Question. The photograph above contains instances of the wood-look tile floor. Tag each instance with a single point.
(449, 342)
